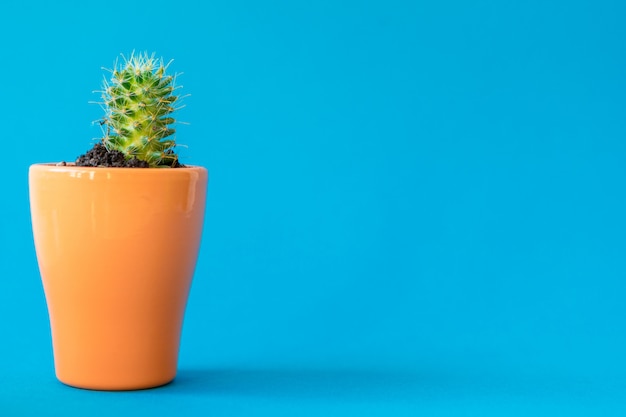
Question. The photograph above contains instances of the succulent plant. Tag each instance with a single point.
(139, 102)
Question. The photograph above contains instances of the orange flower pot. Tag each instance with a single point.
(117, 249)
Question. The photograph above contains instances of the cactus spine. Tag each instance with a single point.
(138, 102)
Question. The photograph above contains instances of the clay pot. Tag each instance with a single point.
(117, 249)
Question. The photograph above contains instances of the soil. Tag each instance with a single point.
(99, 156)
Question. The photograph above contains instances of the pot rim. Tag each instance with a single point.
(71, 167)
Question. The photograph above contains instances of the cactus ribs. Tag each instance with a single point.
(138, 102)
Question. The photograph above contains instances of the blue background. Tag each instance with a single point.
(415, 208)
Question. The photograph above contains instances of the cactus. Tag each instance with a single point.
(139, 102)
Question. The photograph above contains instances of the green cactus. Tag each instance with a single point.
(139, 102)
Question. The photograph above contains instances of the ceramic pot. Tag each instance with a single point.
(117, 249)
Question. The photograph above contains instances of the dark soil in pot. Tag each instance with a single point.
(100, 156)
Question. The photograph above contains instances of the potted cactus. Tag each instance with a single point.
(117, 235)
